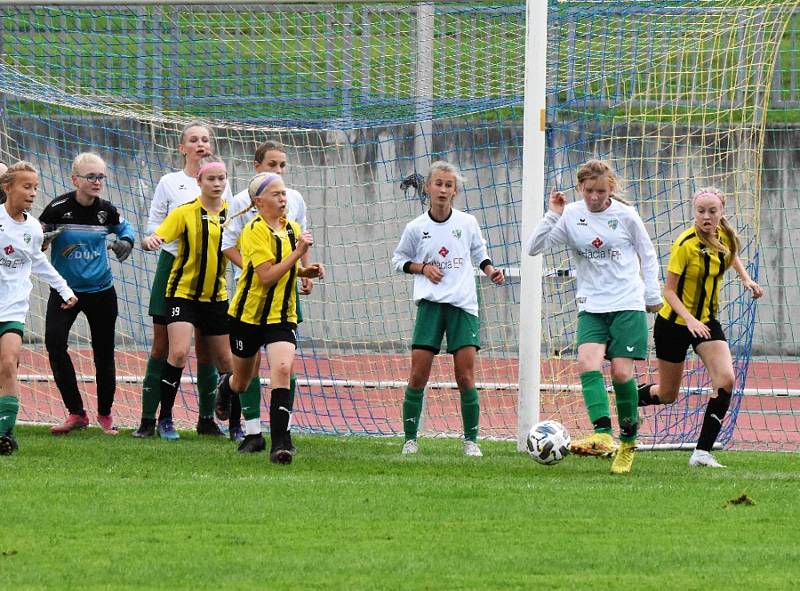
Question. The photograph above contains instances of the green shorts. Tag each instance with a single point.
(158, 308)
(12, 326)
(435, 320)
(624, 333)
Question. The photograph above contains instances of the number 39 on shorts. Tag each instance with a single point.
(176, 311)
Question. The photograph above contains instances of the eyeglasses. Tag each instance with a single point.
(91, 177)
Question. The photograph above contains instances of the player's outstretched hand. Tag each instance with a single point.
(121, 248)
(497, 276)
(755, 288)
(152, 242)
(557, 201)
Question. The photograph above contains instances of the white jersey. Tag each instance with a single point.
(20, 255)
(607, 248)
(174, 189)
(455, 246)
(295, 211)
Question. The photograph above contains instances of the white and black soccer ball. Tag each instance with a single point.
(548, 442)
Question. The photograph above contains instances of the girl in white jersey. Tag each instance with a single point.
(439, 249)
(20, 255)
(608, 241)
(174, 189)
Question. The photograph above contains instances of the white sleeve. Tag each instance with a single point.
(647, 255)
(477, 247)
(405, 251)
(301, 214)
(42, 268)
(159, 207)
(548, 232)
(231, 233)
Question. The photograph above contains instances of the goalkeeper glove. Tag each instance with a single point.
(122, 248)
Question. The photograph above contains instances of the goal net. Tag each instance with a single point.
(363, 96)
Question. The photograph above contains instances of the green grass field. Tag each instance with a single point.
(92, 512)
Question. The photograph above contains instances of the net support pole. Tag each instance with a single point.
(423, 141)
(530, 314)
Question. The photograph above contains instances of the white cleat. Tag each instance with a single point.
(410, 447)
(471, 449)
(704, 458)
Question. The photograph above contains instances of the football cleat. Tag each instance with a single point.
(252, 444)
(704, 458)
(471, 449)
(71, 423)
(207, 426)
(598, 444)
(410, 447)
(166, 430)
(147, 428)
(8, 445)
(107, 425)
(623, 459)
(236, 434)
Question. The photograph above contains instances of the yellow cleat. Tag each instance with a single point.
(600, 445)
(623, 459)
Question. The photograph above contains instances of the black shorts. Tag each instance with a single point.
(673, 340)
(247, 339)
(210, 318)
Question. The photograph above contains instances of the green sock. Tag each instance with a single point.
(596, 399)
(412, 409)
(250, 400)
(292, 389)
(151, 388)
(627, 410)
(9, 407)
(207, 379)
(470, 413)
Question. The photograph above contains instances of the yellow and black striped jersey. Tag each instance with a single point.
(198, 272)
(253, 302)
(699, 270)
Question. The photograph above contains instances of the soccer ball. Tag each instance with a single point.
(548, 442)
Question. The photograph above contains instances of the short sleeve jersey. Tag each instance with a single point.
(253, 302)
(198, 272)
(699, 270)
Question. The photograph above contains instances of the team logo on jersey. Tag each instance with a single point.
(9, 250)
(181, 187)
(2, 229)
(102, 217)
(426, 235)
(67, 215)
(457, 234)
(443, 252)
(582, 222)
(27, 238)
(613, 223)
(597, 243)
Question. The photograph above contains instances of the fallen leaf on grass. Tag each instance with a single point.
(740, 500)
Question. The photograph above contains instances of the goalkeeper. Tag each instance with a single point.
(608, 240)
(80, 221)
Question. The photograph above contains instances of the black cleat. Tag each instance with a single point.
(252, 444)
(280, 456)
(207, 426)
(222, 399)
(147, 428)
(8, 445)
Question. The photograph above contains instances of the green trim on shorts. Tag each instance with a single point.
(12, 326)
(434, 320)
(624, 333)
(158, 291)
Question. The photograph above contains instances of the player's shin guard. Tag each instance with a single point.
(646, 396)
(207, 379)
(470, 413)
(627, 410)
(280, 414)
(412, 410)
(151, 388)
(170, 382)
(596, 399)
(9, 407)
(712, 422)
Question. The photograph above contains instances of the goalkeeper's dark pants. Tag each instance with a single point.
(100, 309)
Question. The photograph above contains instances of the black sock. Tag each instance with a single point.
(280, 412)
(645, 397)
(603, 423)
(236, 411)
(170, 382)
(712, 422)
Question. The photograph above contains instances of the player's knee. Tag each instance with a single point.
(54, 344)
(465, 380)
(620, 375)
(8, 367)
(178, 356)
(725, 382)
(238, 383)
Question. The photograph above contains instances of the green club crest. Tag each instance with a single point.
(457, 234)
(613, 223)
(27, 238)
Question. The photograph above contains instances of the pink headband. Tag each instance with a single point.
(209, 166)
(708, 194)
